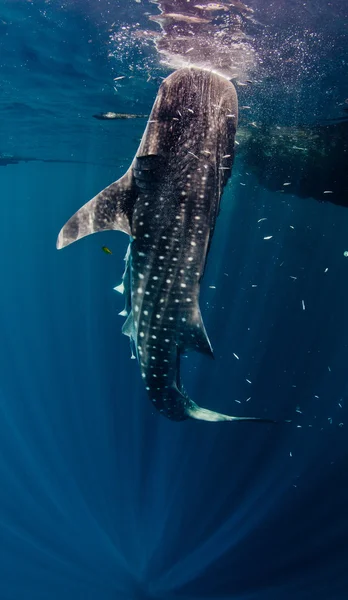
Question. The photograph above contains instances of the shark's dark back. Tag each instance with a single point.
(189, 138)
(189, 118)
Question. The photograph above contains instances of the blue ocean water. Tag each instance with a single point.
(101, 497)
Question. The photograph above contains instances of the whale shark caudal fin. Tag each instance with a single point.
(194, 411)
(110, 209)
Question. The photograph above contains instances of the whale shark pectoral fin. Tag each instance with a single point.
(192, 333)
(110, 209)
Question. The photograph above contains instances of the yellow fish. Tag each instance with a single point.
(106, 250)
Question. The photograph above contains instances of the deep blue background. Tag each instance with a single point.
(101, 497)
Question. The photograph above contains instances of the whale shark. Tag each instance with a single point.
(167, 203)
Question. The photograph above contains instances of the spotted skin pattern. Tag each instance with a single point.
(168, 202)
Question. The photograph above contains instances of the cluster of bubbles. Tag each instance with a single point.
(205, 34)
(283, 59)
(208, 38)
(132, 48)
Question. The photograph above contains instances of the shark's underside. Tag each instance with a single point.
(167, 202)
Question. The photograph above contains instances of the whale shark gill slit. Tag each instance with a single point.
(168, 202)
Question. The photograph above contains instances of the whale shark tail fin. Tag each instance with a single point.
(194, 411)
(112, 208)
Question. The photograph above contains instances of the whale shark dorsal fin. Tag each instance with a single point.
(192, 333)
(110, 209)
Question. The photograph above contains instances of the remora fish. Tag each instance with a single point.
(111, 116)
(168, 201)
